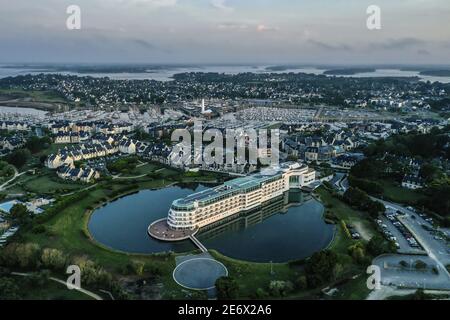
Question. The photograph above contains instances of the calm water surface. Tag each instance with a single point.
(274, 233)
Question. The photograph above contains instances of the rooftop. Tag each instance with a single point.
(236, 185)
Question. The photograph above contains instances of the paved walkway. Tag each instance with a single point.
(16, 174)
(86, 292)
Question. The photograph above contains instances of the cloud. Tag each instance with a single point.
(264, 28)
(232, 26)
(153, 3)
(396, 44)
(143, 43)
(423, 52)
(329, 46)
(221, 5)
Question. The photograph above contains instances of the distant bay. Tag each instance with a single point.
(166, 73)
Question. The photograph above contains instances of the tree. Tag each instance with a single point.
(375, 208)
(280, 288)
(357, 252)
(138, 267)
(366, 185)
(355, 197)
(261, 293)
(430, 172)
(19, 157)
(301, 282)
(438, 199)
(377, 245)
(227, 288)
(320, 268)
(420, 265)
(367, 168)
(20, 213)
(8, 289)
(36, 144)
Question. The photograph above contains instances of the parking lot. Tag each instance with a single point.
(406, 224)
(434, 243)
(401, 271)
(394, 230)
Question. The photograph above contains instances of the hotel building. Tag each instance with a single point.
(238, 195)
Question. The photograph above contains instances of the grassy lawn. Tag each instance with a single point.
(395, 193)
(145, 169)
(50, 291)
(252, 276)
(355, 289)
(35, 95)
(344, 212)
(46, 184)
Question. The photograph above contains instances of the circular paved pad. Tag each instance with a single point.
(199, 273)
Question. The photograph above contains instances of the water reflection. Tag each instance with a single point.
(287, 228)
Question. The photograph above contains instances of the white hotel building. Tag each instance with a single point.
(241, 194)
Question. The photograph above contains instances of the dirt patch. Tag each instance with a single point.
(143, 289)
(362, 230)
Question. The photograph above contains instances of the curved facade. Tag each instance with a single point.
(241, 194)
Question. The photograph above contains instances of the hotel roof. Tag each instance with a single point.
(235, 186)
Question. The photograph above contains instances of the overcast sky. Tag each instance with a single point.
(226, 31)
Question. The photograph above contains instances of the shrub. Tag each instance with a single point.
(279, 288)
(53, 259)
(227, 288)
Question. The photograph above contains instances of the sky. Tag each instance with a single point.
(225, 31)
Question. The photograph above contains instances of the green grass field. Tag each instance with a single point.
(395, 193)
(344, 212)
(252, 276)
(354, 289)
(47, 184)
(35, 95)
(50, 291)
